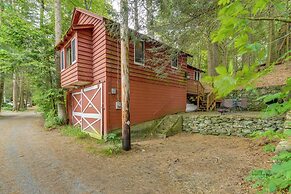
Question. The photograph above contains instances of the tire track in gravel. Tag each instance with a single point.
(31, 162)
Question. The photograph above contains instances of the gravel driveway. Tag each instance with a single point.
(33, 160)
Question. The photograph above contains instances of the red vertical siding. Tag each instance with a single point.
(191, 73)
(151, 96)
(147, 101)
(80, 72)
(98, 46)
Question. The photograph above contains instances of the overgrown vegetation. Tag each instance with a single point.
(269, 135)
(269, 148)
(111, 145)
(51, 120)
(114, 144)
(74, 132)
(6, 106)
(277, 179)
(281, 101)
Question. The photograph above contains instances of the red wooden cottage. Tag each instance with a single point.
(90, 72)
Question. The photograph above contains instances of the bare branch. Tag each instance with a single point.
(285, 20)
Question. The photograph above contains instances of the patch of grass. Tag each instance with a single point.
(111, 150)
(110, 145)
(287, 132)
(269, 148)
(74, 132)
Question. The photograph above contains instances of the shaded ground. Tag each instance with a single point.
(36, 161)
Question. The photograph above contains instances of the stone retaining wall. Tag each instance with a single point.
(229, 125)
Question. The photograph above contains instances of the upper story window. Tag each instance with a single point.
(71, 53)
(68, 56)
(139, 52)
(73, 45)
(174, 62)
(197, 75)
(62, 60)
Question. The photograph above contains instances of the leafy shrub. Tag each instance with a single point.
(269, 148)
(113, 138)
(283, 103)
(74, 132)
(6, 106)
(283, 157)
(277, 179)
(114, 146)
(52, 121)
(269, 134)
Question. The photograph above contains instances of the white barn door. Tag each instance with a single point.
(87, 109)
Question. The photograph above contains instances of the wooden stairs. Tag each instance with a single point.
(206, 101)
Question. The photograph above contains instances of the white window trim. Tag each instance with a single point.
(197, 73)
(138, 63)
(74, 39)
(177, 63)
(62, 60)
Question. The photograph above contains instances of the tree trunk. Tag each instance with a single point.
(288, 40)
(41, 13)
(149, 21)
(88, 4)
(244, 60)
(125, 92)
(224, 55)
(15, 92)
(1, 89)
(136, 22)
(1, 10)
(21, 92)
(235, 64)
(58, 36)
(209, 59)
(271, 42)
(213, 59)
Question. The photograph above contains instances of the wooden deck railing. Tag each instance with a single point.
(211, 101)
(195, 87)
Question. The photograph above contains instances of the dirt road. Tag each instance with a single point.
(33, 160)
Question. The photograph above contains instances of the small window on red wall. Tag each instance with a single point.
(139, 52)
(62, 60)
(73, 45)
(71, 57)
(174, 62)
(197, 75)
(68, 56)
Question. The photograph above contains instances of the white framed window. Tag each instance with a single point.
(71, 53)
(139, 52)
(73, 50)
(174, 62)
(68, 56)
(197, 75)
(62, 60)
